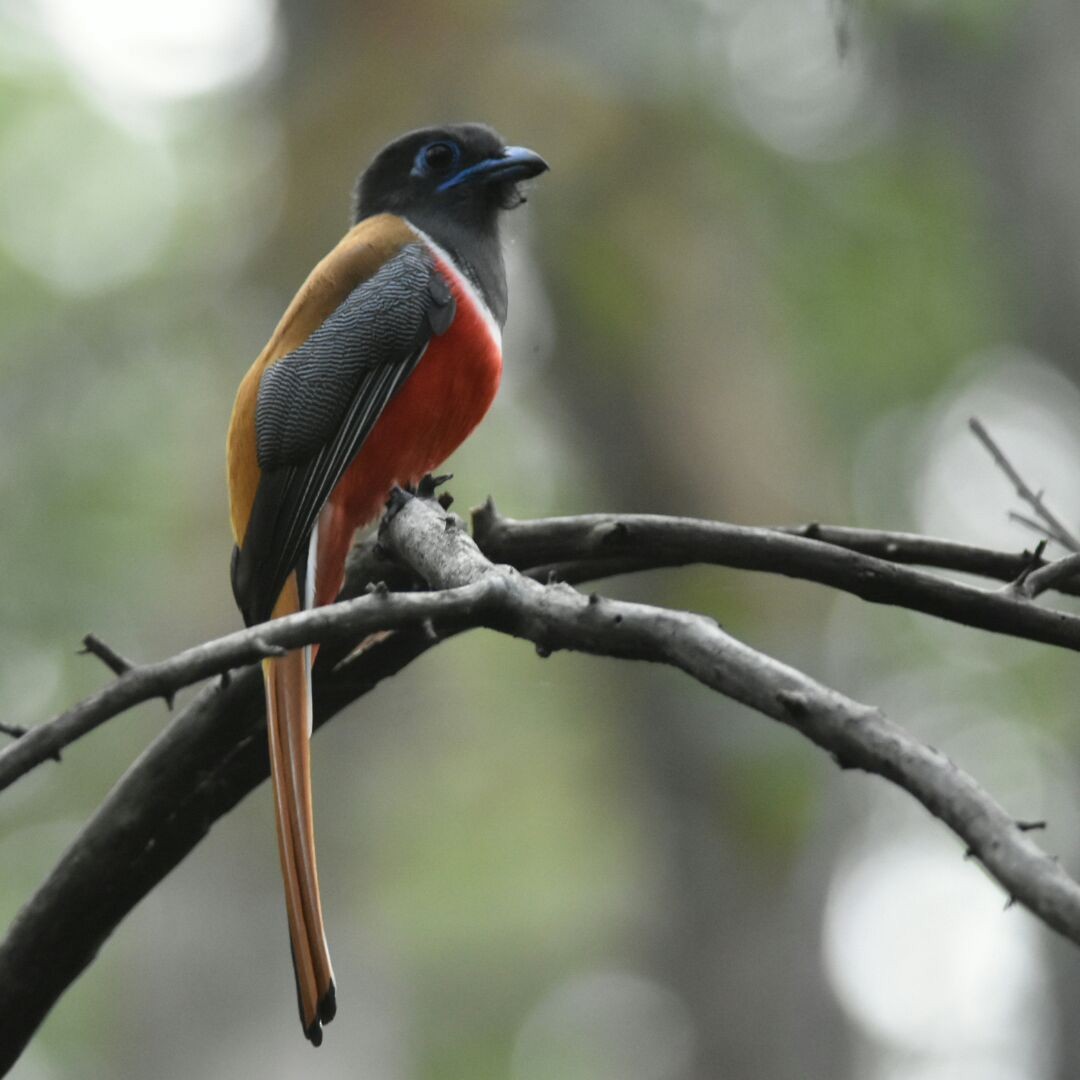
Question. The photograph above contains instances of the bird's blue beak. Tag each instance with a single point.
(514, 163)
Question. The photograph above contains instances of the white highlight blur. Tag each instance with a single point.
(788, 79)
(920, 952)
(1033, 413)
(91, 216)
(139, 49)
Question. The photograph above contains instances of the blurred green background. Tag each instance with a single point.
(786, 248)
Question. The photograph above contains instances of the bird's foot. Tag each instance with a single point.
(429, 484)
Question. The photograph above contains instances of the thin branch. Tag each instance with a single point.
(905, 548)
(344, 622)
(94, 646)
(1056, 529)
(625, 542)
(916, 550)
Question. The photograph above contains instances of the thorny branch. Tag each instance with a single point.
(863, 562)
(213, 752)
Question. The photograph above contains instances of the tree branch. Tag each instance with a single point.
(344, 622)
(864, 562)
(856, 735)
(593, 545)
(213, 751)
(916, 550)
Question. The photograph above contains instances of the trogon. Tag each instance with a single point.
(386, 359)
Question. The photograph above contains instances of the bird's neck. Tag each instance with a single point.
(476, 252)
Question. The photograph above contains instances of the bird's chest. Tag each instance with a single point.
(455, 383)
(436, 409)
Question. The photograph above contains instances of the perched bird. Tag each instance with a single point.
(386, 359)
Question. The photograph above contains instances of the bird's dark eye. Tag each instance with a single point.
(438, 157)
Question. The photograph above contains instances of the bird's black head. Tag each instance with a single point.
(452, 182)
(462, 171)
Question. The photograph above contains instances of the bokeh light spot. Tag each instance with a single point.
(921, 954)
(1033, 413)
(134, 49)
(792, 86)
(86, 207)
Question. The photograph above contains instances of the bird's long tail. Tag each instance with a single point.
(288, 719)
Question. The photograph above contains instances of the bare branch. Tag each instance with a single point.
(898, 547)
(94, 646)
(213, 752)
(623, 542)
(916, 550)
(343, 622)
(589, 547)
(1054, 527)
(856, 735)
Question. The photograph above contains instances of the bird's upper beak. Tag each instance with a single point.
(514, 163)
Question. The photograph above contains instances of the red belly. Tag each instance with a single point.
(441, 402)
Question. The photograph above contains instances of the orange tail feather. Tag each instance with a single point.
(288, 717)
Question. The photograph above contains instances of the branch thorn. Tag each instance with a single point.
(1030, 826)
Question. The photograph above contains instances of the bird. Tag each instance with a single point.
(386, 359)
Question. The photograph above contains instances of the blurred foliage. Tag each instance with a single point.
(762, 282)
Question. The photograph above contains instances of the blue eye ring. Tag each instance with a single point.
(437, 158)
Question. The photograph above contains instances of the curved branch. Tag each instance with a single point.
(857, 735)
(590, 547)
(214, 752)
(593, 545)
(348, 621)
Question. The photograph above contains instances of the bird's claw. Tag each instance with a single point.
(429, 484)
(396, 502)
